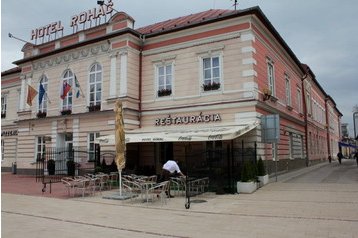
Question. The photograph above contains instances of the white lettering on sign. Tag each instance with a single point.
(167, 121)
(82, 18)
(46, 30)
(92, 14)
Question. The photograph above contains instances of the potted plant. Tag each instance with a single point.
(164, 92)
(71, 168)
(94, 107)
(41, 114)
(247, 184)
(211, 86)
(66, 112)
(51, 166)
(262, 176)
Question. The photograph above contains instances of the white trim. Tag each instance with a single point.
(198, 42)
(199, 107)
(113, 76)
(249, 61)
(247, 37)
(249, 73)
(248, 49)
(123, 74)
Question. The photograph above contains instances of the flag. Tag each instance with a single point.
(77, 87)
(31, 94)
(41, 93)
(65, 89)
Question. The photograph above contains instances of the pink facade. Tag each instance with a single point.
(250, 58)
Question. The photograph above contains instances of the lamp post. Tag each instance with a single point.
(354, 124)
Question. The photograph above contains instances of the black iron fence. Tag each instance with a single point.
(56, 163)
(222, 166)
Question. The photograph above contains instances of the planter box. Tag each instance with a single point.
(246, 187)
(263, 180)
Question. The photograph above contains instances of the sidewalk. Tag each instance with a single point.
(284, 209)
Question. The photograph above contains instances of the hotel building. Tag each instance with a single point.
(193, 88)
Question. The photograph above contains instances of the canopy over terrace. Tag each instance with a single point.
(183, 135)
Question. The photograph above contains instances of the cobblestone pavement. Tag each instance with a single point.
(318, 201)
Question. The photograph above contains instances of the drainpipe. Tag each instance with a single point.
(142, 37)
(327, 128)
(305, 115)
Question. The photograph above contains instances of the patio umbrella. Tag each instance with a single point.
(120, 142)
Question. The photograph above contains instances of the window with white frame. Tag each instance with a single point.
(3, 106)
(43, 87)
(66, 91)
(271, 76)
(288, 90)
(299, 100)
(164, 74)
(95, 85)
(40, 147)
(290, 145)
(2, 150)
(308, 103)
(212, 68)
(91, 145)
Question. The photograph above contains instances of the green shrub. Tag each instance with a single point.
(248, 172)
(261, 170)
(51, 166)
(71, 168)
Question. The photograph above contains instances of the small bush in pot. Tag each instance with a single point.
(51, 166)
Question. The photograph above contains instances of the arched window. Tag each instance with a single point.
(66, 90)
(95, 86)
(43, 87)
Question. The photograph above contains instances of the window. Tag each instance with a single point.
(43, 87)
(66, 92)
(2, 150)
(40, 147)
(211, 73)
(271, 77)
(3, 106)
(95, 85)
(299, 100)
(308, 103)
(91, 145)
(164, 79)
(288, 90)
(290, 145)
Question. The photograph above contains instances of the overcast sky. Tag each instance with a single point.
(322, 33)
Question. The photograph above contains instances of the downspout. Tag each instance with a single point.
(327, 128)
(305, 115)
(142, 37)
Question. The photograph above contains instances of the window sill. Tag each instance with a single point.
(289, 107)
(273, 99)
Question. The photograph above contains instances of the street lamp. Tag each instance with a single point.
(354, 124)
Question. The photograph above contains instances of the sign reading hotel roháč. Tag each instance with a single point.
(82, 18)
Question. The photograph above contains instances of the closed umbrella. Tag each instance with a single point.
(120, 142)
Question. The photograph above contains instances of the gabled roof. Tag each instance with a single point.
(180, 22)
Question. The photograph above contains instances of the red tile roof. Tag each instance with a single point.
(185, 21)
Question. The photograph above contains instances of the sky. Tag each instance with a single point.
(322, 33)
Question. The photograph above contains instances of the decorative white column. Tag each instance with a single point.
(123, 76)
(53, 133)
(22, 93)
(113, 76)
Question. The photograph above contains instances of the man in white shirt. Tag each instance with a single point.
(169, 169)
